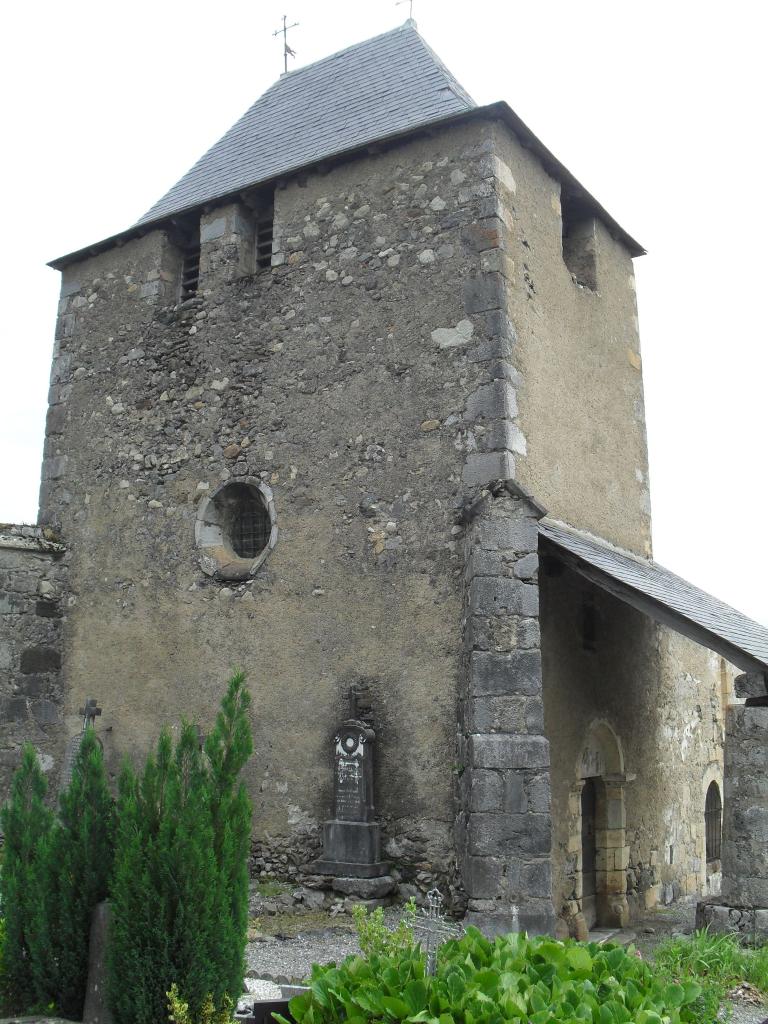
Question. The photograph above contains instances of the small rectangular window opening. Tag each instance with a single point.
(265, 219)
(190, 270)
(588, 626)
(579, 253)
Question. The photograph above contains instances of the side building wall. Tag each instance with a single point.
(33, 608)
(660, 699)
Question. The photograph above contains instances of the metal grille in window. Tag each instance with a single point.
(251, 528)
(190, 272)
(264, 234)
(713, 811)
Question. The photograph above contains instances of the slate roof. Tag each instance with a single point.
(384, 86)
(730, 633)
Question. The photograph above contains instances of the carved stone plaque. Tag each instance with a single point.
(353, 772)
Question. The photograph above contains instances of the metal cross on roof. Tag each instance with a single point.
(432, 930)
(89, 712)
(410, 7)
(287, 51)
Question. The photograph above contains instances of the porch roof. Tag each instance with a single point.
(662, 595)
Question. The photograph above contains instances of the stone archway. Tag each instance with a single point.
(599, 833)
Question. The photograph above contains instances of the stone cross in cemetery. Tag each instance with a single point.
(351, 838)
(431, 929)
(89, 712)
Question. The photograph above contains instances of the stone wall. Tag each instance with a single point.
(743, 905)
(358, 381)
(33, 606)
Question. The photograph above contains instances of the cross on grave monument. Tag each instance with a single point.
(431, 929)
(351, 838)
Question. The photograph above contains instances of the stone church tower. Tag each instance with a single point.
(359, 401)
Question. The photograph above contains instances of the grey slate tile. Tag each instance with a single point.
(658, 583)
(381, 87)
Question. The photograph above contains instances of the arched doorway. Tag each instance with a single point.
(601, 871)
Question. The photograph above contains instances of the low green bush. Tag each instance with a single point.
(512, 978)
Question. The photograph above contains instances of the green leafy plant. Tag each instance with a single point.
(180, 887)
(716, 962)
(180, 1012)
(375, 938)
(26, 823)
(513, 978)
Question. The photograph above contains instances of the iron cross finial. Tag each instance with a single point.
(399, 3)
(287, 51)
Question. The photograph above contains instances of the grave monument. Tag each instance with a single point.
(352, 838)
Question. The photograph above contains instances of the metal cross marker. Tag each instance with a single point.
(89, 712)
(432, 930)
(410, 7)
(287, 51)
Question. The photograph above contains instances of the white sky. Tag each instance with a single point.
(658, 108)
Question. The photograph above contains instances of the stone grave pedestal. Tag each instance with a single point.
(743, 905)
(352, 839)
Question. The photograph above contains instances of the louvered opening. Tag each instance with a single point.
(264, 234)
(190, 271)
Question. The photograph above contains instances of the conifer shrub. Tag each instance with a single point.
(74, 869)
(26, 823)
(180, 884)
(54, 872)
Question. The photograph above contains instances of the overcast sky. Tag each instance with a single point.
(658, 108)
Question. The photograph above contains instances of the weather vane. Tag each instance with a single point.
(287, 51)
(410, 7)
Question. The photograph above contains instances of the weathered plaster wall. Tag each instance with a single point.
(582, 450)
(661, 695)
(342, 379)
(33, 604)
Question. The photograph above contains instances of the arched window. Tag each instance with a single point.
(713, 818)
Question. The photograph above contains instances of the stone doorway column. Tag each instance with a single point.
(601, 769)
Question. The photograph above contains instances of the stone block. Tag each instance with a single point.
(45, 712)
(536, 917)
(484, 293)
(96, 1009)
(518, 672)
(508, 751)
(14, 709)
(507, 533)
(497, 714)
(485, 467)
(536, 879)
(485, 790)
(538, 794)
(365, 888)
(483, 876)
(40, 659)
(515, 799)
(509, 835)
(503, 596)
(750, 684)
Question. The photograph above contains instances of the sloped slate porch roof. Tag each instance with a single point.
(661, 594)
